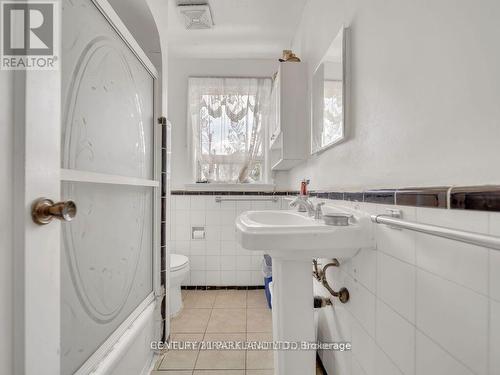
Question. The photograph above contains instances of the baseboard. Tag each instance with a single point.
(209, 287)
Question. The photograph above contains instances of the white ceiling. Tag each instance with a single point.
(243, 29)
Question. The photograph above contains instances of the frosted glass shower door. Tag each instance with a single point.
(108, 169)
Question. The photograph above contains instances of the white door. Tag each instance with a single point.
(88, 136)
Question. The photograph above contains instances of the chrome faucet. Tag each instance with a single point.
(303, 204)
(318, 212)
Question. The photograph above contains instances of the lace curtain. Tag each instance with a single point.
(228, 117)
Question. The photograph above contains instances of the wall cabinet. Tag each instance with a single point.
(288, 141)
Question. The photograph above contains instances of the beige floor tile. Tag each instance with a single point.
(179, 360)
(259, 320)
(200, 299)
(231, 299)
(260, 372)
(227, 320)
(174, 372)
(220, 372)
(256, 299)
(191, 321)
(222, 359)
(186, 339)
(260, 359)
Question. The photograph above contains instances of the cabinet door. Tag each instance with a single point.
(274, 120)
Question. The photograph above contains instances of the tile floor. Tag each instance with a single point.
(220, 315)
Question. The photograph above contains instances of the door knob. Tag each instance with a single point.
(45, 210)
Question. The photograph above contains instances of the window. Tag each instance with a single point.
(228, 117)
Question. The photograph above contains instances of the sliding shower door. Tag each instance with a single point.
(108, 169)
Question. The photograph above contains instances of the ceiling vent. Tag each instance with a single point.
(196, 14)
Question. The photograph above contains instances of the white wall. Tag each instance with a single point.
(424, 94)
(418, 304)
(178, 71)
(425, 87)
(6, 197)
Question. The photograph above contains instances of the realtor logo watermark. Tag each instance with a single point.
(29, 35)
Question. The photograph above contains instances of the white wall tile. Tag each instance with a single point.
(455, 317)
(398, 243)
(213, 263)
(361, 304)
(259, 206)
(182, 202)
(197, 202)
(213, 247)
(181, 217)
(182, 233)
(212, 233)
(197, 262)
(285, 203)
(228, 263)
(256, 262)
(198, 277)
(228, 233)
(243, 206)
(225, 205)
(197, 247)
(228, 278)
(396, 285)
(213, 278)
(243, 252)
(197, 217)
(243, 278)
(211, 204)
(213, 217)
(228, 217)
(495, 258)
(228, 248)
(243, 263)
(462, 263)
(494, 338)
(257, 278)
(273, 205)
(363, 268)
(433, 360)
(396, 337)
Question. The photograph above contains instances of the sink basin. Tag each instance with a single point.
(293, 239)
(295, 235)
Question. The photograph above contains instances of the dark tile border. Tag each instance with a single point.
(436, 197)
(213, 287)
(486, 198)
(479, 198)
(228, 192)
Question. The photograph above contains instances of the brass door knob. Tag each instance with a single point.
(45, 210)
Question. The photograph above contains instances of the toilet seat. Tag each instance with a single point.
(178, 262)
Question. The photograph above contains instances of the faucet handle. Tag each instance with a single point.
(319, 204)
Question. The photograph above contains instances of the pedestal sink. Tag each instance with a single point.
(293, 239)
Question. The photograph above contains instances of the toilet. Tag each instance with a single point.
(179, 268)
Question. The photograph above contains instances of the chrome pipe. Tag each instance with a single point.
(472, 238)
(222, 199)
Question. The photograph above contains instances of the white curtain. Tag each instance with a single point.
(228, 117)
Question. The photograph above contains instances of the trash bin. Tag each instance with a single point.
(267, 272)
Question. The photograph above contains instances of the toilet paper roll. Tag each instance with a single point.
(198, 234)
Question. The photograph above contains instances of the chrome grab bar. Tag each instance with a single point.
(472, 238)
(269, 199)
